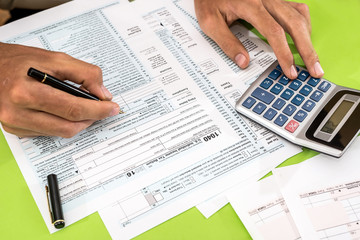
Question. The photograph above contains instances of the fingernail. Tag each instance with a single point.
(293, 72)
(115, 111)
(318, 69)
(106, 92)
(240, 60)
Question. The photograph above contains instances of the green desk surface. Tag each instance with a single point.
(336, 37)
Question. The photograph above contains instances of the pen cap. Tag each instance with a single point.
(54, 194)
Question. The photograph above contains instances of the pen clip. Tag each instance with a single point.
(49, 204)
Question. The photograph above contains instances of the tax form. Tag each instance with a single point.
(323, 195)
(180, 130)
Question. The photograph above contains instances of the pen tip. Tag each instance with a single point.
(121, 112)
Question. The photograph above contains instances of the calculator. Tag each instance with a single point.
(311, 112)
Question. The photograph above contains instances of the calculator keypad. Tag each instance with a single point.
(287, 103)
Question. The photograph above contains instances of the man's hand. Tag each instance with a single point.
(272, 18)
(30, 108)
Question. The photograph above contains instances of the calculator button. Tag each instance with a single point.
(278, 104)
(266, 83)
(300, 115)
(287, 94)
(324, 86)
(281, 120)
(289, 109)
(276, 89)
(249, 102)
(292, 126)
(270, 114)
(298, 99)
(259, 108)
(308, 105)
(275, 74)
(313, 81)
(316, 96)
(306, 90)
(284, 80)
(303, 75)
(295, 84)
(278, 67)
(263, 95)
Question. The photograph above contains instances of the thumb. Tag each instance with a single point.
(216, 28)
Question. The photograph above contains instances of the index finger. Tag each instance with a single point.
(275, 35)
(65, 67)
(297, 25)
(44, 98)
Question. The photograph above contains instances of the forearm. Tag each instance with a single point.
(30, 4)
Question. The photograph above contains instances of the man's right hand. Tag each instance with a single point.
(30, 108)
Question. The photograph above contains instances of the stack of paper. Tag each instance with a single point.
(316, 199)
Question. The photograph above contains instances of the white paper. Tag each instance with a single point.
(210, 206)
(263, 210)
(323, 195)
(215, 203)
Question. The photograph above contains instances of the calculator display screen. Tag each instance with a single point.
(337, 116)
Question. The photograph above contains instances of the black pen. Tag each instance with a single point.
(54, 201)
(58, 84)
